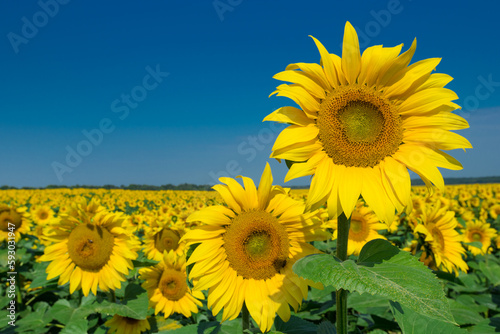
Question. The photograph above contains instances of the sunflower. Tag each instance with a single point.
(163, 236)
(364, 121)
(494, 211)
(13, 220)
(363, 228)
(90, 251)
(42, 214)
(478, 231)
(119, 324)
(246, 250)
(442, 247)
(167, 286)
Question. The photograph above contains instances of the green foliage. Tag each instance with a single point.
(382, 270)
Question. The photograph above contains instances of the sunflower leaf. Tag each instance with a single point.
(412, 323)
(385, 271)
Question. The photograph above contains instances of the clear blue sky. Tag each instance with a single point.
(67, 67)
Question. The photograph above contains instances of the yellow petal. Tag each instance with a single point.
(265, 185)
(228, 197)
(302, 79)
(290, 115)
(321, 184)
(349, 189)
(328, 66)
(351, 57)
(315, 71)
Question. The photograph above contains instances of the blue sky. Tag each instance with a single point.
(178, 89)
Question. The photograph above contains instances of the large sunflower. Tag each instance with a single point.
(442, 247)
(167, 286)
(246, 250)
(364, 121)
(90, 251)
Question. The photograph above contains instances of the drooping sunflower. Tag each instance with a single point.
(246, 250)
(478, 231)
(121, 325)
(364, 121)
(442, 248)
(90, 251)
(14, 220)
(166, 284)
(364, 227)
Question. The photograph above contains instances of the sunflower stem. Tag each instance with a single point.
(245, 318)
(112, 296)
(342, 239)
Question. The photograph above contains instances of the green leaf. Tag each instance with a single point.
(390, 273)
(491, 271)
(412, 323)
(326, 327)
(463, 314)
(295, 326)
(189, 329)
(367, 304)
(35, 320)
(487, 326)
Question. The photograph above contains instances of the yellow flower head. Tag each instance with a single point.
(90, 250)
(478, 231)
(443, 248)
(246, 250)
(13, 220)
(167, 287)
(364, 227)
(364, 120)
(119, 324)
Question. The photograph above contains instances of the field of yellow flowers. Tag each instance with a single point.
(97, 261)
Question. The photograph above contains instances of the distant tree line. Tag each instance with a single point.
(190, 186)
(183, 186)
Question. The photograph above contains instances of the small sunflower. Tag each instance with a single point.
(166, 284)
(42, 215)
(246, 250)
(121, 325)
(90, 251)
(443, 248)
(364, 121)
(163, 236)
(13, 220)
(478, 231)
(364, 227)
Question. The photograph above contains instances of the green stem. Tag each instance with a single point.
(245, 318)
(342, 239)
(112, 296)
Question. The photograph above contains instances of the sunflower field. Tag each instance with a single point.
(142, 274)
(360, 251)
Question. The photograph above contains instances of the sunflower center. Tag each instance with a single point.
(476, 237)
(172, 284)
(167, 239)
(9, 219)
(438, 238)
(131, 321)
(358, 127)
(256, 245)
(43, 215)
(90, 246)
(358, 228)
